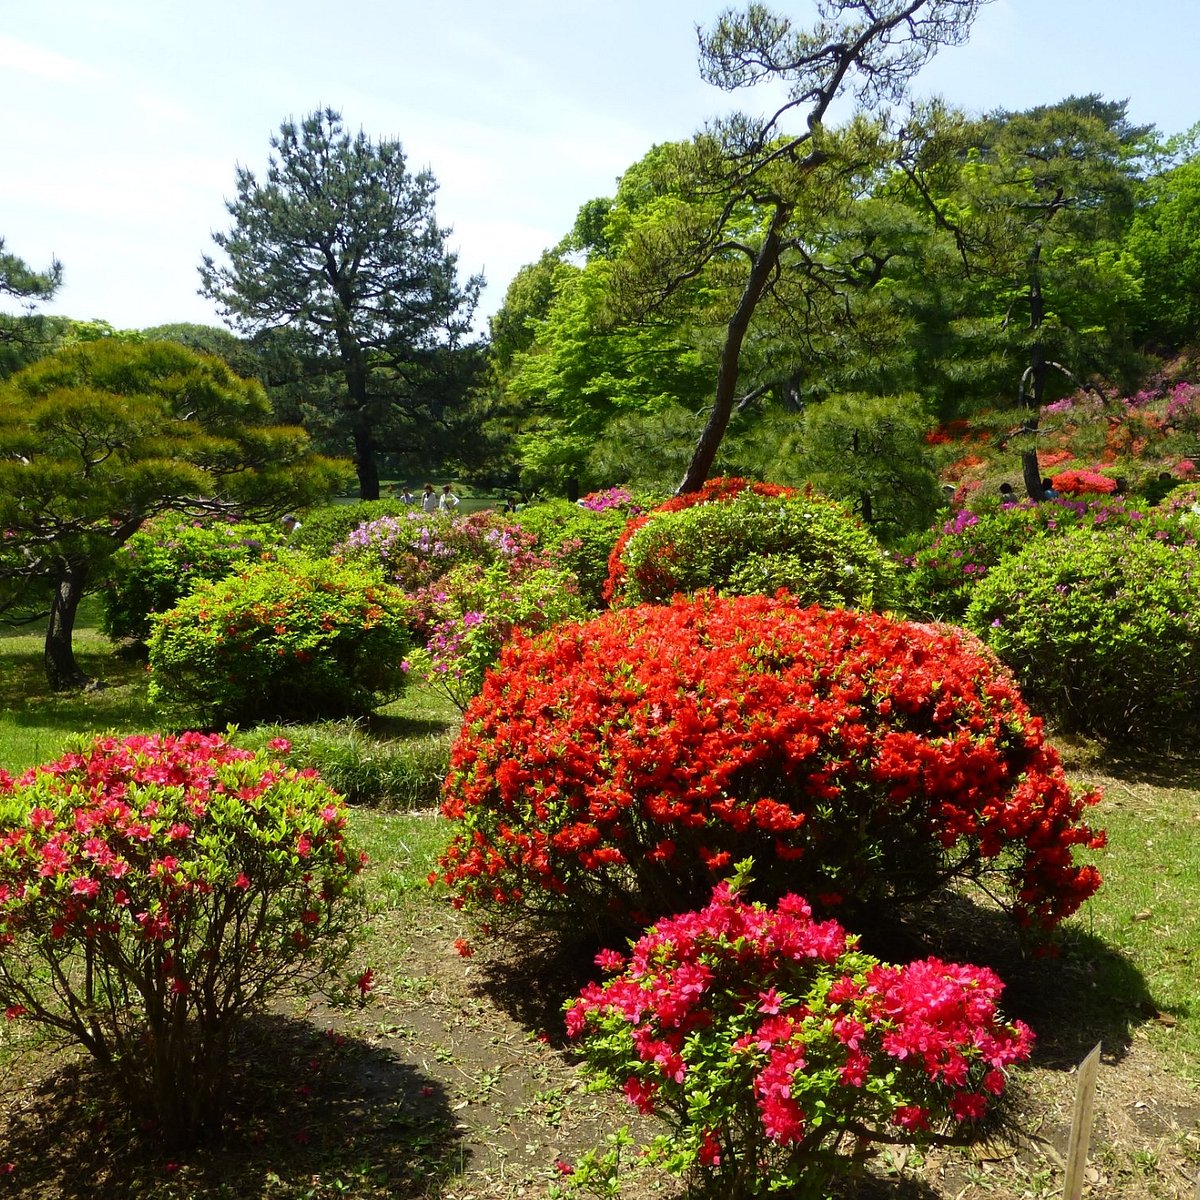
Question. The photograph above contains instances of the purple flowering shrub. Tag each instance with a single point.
(470, 614)
(416, 549)
(941, 569)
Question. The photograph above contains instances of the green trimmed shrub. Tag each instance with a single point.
(292, 640)
(753, 544)
(1101, 629)
(162, 562)
(579, 538)
(942, 568)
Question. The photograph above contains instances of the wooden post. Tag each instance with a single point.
(1081, 1125)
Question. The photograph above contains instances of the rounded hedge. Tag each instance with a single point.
(166, 558)
(942, 568)
(291, 640)
(624, 763)
(579, 538)
(1102, 630)
(748, 542)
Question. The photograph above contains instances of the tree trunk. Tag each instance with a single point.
(765, 262)
(1031, 471)
(365, 463)
(62, 671)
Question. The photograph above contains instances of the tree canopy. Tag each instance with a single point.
(337, 259)
(98, 437)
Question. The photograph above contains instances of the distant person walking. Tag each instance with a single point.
(291, 523)
(429, 499)
(406, 497)
(447, 501)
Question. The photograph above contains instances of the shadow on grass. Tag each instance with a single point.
(1081, 993)
(1073, 993)
(310, 1113)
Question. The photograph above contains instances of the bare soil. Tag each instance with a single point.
(452, 1081)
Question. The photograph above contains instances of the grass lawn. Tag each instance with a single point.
(452, 1081)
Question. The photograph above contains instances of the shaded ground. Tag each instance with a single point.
(452, 1082)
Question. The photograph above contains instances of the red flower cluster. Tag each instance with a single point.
(772, 1016)
(714, 491)
(1079, 483)
(625, 761)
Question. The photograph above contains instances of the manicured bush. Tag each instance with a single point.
(475, 610)
(324, 528)
(747, 543)
(771, 1046)
(1101, 629)
(622, 764)
(579, 538)
(291, 640)
(161, 563)
(416, 549)
(157, 889)
(940, 570)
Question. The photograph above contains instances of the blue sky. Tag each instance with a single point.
(125, 117)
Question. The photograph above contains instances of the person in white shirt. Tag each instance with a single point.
(447, 501)
(429, 499)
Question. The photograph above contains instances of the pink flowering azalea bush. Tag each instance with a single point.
(769, 1043)
(156, 889)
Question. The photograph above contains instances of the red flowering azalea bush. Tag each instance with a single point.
(754, 540)
(768, 1042)
(623, 763)
(154, 890)
(1083, 482)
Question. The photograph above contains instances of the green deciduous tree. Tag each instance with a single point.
(338, 252)
(1036, 205)
(870, 51)
(98, 437)
(1165, 239)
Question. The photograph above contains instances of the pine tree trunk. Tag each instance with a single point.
(764, 265)
(62, 671)
(365, 463)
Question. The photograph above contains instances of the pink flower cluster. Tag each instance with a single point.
(778, 1018)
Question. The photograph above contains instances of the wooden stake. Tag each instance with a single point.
(1081, 1124)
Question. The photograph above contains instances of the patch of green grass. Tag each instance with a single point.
(1145, 912)
(402, 848)
(394, 772)
(35, 721)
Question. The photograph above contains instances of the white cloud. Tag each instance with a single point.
(40, 63)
